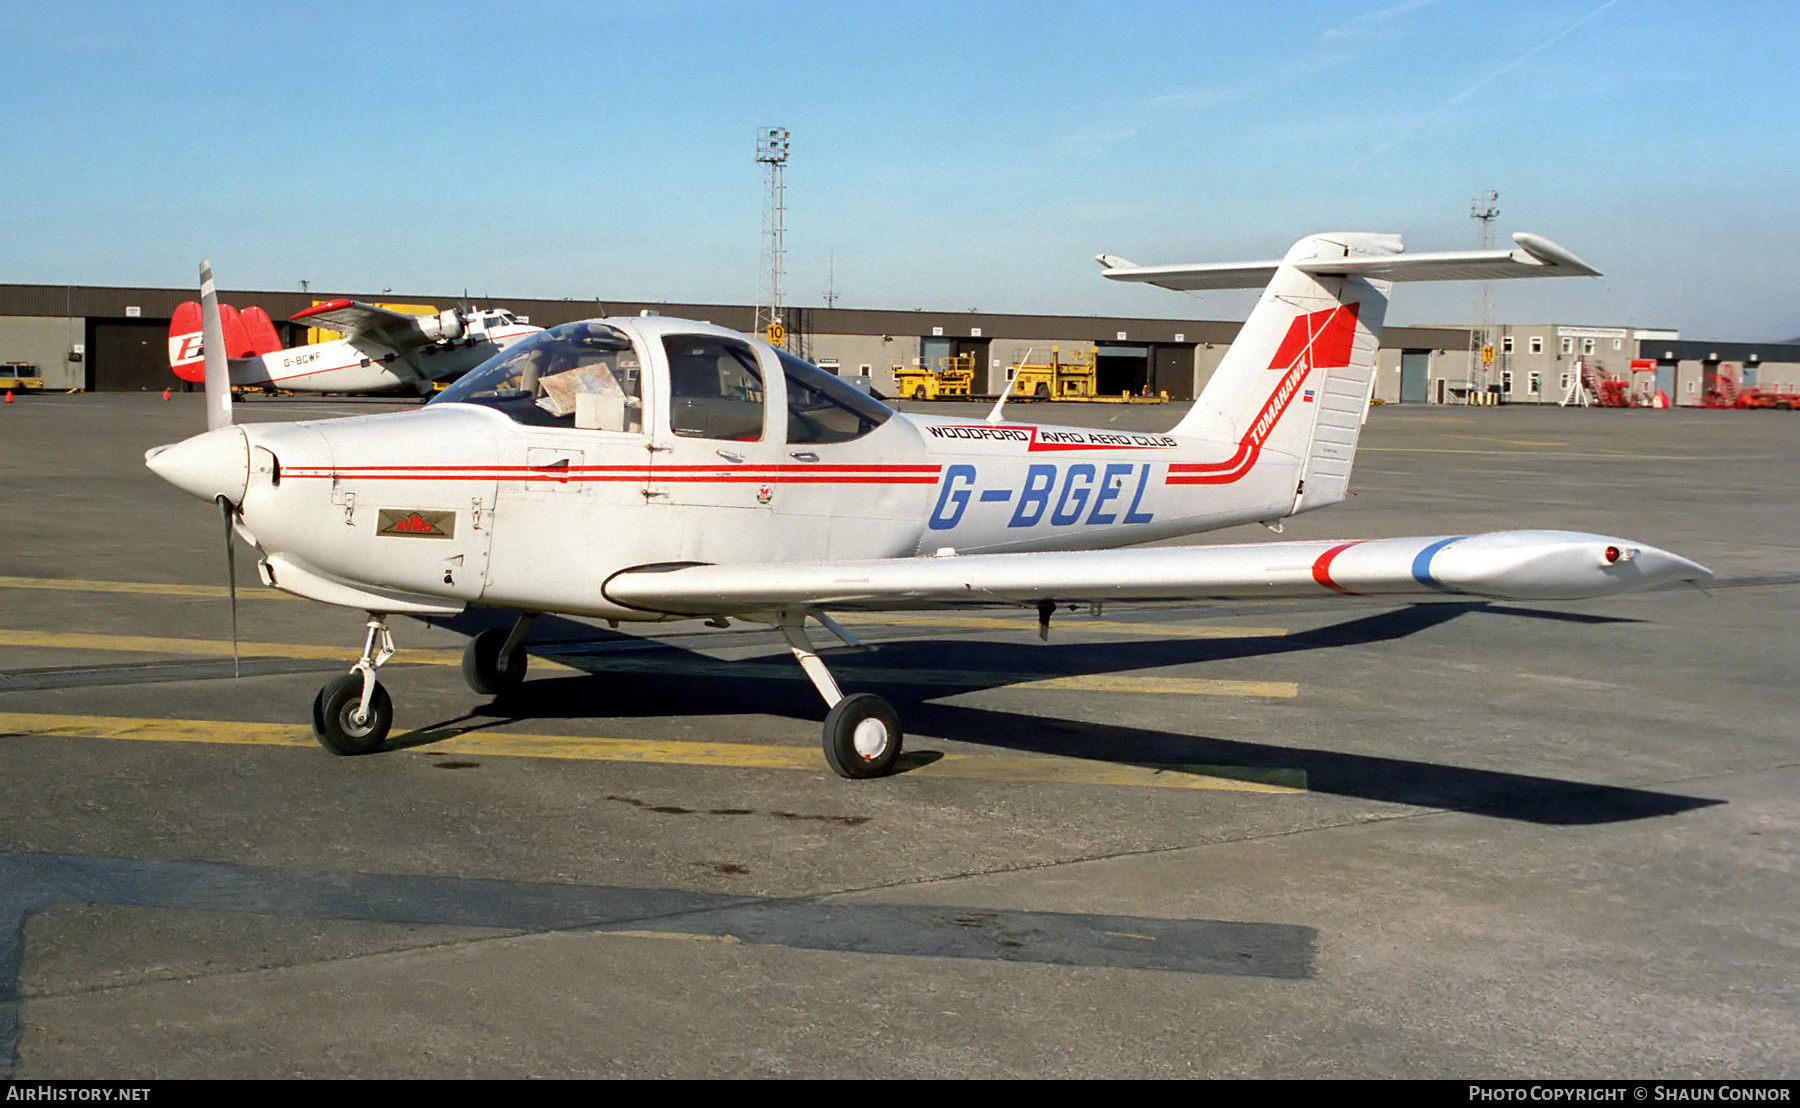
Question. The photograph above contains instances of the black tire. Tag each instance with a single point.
(481, 664)
(862, 737)
(334, 710)
(1043, 391)
(919, 393)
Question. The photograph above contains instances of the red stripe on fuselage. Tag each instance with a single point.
(792, 474)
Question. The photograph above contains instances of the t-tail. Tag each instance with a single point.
(1296, 380)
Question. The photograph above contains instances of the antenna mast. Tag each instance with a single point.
(1484, 209)
(772, 153)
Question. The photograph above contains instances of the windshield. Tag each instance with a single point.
(585, 375)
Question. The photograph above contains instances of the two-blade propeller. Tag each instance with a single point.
(218, 414)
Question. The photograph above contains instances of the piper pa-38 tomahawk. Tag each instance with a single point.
(381, 351)
(648, 469)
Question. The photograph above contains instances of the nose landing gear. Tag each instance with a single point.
(352, 713)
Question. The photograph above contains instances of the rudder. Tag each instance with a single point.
(1296, 377)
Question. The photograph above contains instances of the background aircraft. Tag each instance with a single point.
(381, 351)
(649, 469)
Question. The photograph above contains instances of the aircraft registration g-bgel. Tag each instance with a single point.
(381, 351)
(647, 469)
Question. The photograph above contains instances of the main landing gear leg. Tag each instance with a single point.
(494, 661)
(862, 731)
(352, 713)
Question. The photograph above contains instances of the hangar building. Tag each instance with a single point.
(99, 338)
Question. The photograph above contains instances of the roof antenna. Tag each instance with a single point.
(994, 416)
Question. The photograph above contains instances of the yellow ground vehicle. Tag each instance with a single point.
(1056, 378)
(20, 375)
(930, 378)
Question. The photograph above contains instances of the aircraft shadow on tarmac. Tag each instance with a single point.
(32, 883)
(667, 680)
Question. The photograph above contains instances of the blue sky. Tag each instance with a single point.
(945, 155)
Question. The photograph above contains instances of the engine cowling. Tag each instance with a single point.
(446, 326)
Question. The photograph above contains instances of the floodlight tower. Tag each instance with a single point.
(772, 153)
(1484, 210)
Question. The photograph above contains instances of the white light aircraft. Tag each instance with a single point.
(381, 351)
(650, 469)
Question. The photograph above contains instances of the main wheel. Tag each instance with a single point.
(862, 737)
(481, 664)
(335, 722)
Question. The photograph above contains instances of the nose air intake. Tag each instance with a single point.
(208, 466)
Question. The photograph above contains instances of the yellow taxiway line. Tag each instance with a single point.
(999, 767)
(216, 648)
(141, 588)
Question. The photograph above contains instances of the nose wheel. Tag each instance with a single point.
(353, 713)
(340, 722)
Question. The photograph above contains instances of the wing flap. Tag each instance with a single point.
(1509, 565)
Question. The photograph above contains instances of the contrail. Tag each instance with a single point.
(1489, 79)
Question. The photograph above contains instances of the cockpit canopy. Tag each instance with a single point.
(542, 379)
(591, 376)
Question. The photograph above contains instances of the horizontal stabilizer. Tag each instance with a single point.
(1535, 257)
(1506, 565)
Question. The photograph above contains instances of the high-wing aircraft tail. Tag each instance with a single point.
(1296, 379)
(259, 332)
(247, 333)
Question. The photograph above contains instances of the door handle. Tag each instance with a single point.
(804, 456)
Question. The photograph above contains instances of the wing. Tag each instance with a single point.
(367, 327)
(1507, 565)
(1535, 257)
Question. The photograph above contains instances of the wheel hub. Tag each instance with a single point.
(870, 738)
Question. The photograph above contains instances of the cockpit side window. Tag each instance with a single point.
(715, 389)
(582, 375)
(823, 409)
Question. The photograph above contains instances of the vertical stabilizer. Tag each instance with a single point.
(184, 342)
(1297, 376)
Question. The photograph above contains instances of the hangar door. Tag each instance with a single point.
(128, 355)
(1173, 371)
(1415, 373)
(936, 348)
(1119, 368)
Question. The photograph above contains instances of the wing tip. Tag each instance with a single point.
(1544, 252)
(321, 308)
